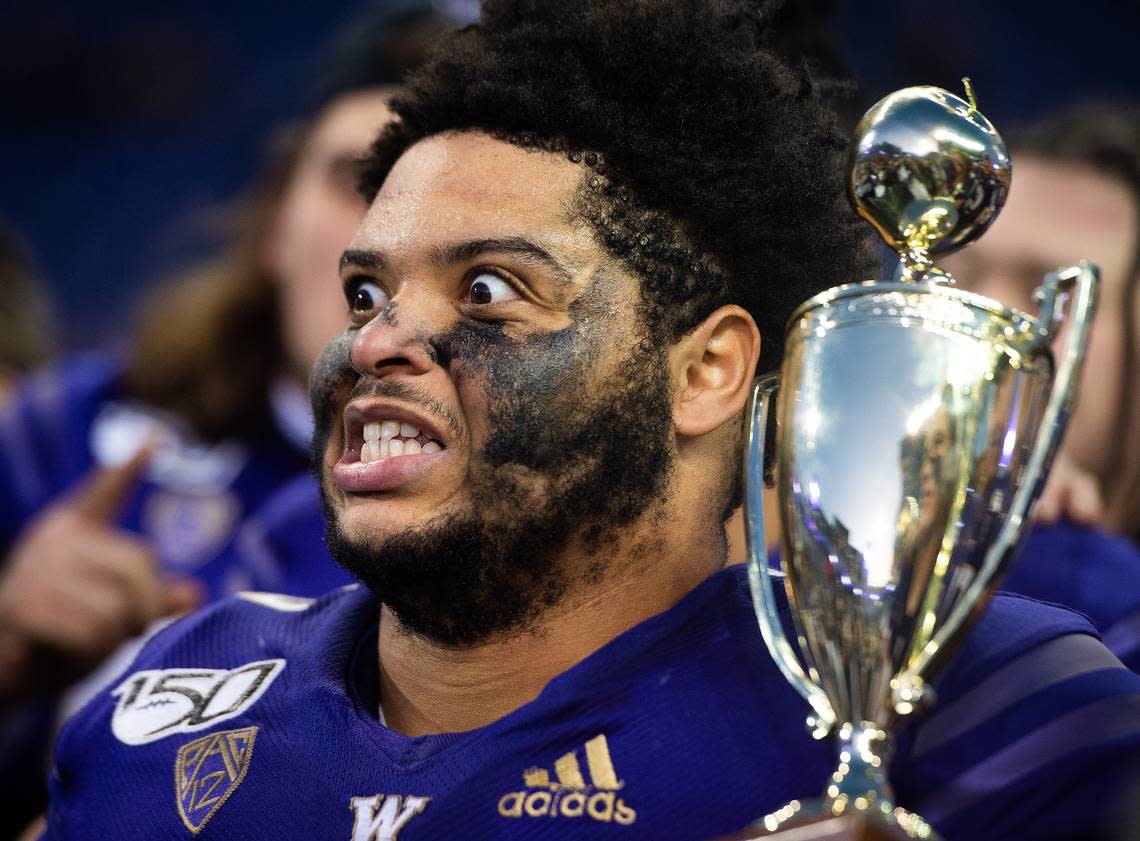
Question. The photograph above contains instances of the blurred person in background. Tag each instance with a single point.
(1076, 195)
(26, 326)
(127, 478)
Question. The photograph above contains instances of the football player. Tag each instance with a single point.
(528, 442)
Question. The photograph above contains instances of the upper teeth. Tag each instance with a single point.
(393, 438)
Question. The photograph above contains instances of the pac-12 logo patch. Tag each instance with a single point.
(208, 770)
(159, 702)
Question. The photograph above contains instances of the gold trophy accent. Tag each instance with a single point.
(916, 424)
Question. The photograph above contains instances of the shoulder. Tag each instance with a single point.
(253, 623)
(257, 665)
(1032, 709)
(218, 663)
(72, 389)
(1082, 568)
(1010, 625)
(40, 425)
(1031, 715)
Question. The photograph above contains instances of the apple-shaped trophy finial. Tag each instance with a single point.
(930, 172)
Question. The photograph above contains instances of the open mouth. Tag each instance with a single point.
(386, 447)
(392, 439)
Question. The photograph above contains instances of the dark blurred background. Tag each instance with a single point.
(125, 121)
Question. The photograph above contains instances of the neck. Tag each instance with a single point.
(430, 688)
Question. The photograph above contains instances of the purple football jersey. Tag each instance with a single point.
(258, 718)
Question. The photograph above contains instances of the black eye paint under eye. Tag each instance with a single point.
(388, 314)
(332, 374)
(568, 454)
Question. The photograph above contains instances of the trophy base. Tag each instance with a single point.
(817, 822)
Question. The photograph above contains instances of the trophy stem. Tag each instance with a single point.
(860, 781)
(859, 789)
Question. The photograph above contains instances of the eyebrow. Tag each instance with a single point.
(361, 259)
(444, 256)
(520, 247)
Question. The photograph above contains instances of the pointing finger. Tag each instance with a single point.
(105, 490)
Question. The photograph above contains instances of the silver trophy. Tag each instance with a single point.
(915, 426)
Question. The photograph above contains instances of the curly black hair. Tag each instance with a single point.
(715, 165)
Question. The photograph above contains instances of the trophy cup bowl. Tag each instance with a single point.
(916, 424)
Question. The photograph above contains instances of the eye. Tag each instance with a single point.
(488, 288)
(364, 296)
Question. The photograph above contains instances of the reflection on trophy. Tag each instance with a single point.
(916, 424)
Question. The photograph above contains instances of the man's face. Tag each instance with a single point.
(1057, 214)
(492, 402)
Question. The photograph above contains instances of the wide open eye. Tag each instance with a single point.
(364, 296)
(488, 288)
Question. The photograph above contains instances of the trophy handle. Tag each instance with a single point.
(1080, 281)
(759, 575)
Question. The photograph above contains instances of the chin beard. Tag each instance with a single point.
(462, 580)
(492, 570)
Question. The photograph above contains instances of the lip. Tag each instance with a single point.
(351, 475)
(354, 476)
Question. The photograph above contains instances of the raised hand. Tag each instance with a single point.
(75, 585)
(1070, 493)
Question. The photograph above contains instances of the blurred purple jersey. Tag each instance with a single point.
(196, 497)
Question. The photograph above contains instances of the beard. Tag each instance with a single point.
(567, 461)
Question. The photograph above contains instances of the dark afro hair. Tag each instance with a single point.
(715, 166)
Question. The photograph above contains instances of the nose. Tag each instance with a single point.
(390, 345)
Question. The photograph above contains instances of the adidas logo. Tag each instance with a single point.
(568, 795)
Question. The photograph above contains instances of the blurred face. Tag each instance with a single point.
(937, 473)
(1057, 214)
(492, 401)
(317, 216)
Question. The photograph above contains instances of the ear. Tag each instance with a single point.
(713, 368)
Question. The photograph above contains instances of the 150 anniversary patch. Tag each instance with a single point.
(160, 702)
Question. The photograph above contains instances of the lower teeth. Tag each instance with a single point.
(389, 447)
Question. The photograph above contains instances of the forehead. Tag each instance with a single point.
(1062, 212)
(351, 121)
(468, 185)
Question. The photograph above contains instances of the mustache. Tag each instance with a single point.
(371, 387)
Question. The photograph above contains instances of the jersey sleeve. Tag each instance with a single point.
(1036, 735)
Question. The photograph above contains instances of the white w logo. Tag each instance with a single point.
(380, 818)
